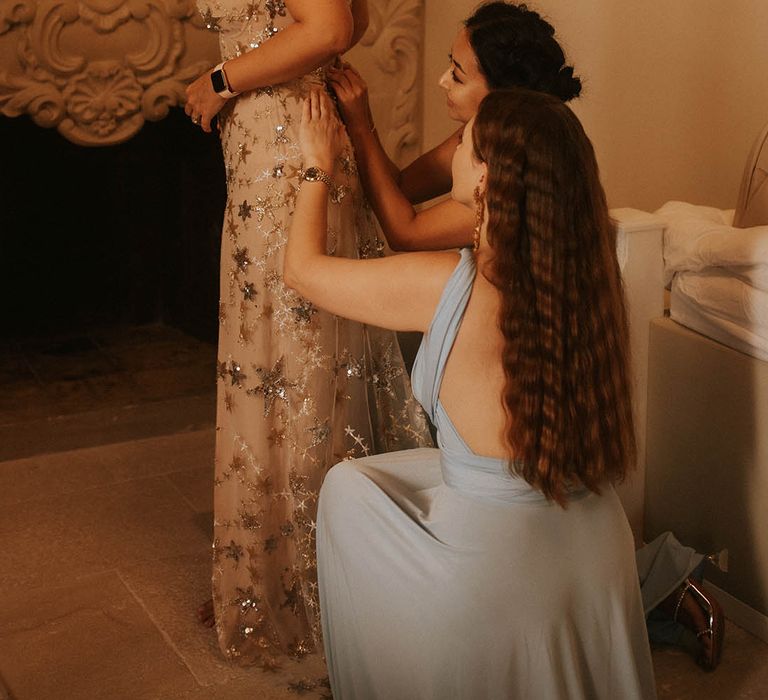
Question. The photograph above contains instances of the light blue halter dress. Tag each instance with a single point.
(443, 576)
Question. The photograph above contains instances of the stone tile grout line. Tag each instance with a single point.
(159, 628)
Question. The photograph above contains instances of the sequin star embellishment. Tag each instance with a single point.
(245, 210)
(249, 292)
(280, 135)
(236, 374)
(252, 11)
(237, 464)
(275, 7)
(304, 312)
(358, 439)
(263, 208)
(270, 544)
(233, 551)
(276, 437)
(274, 385)
(243, 152)
(320, 432)
(384, 372)
(210, 20)
(351, 366)
(338, 193)
(240, 256)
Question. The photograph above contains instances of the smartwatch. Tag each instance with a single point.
(220, 83)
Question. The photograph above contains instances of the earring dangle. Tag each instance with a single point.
(479, 213)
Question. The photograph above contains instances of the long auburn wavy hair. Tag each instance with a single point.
(563, 317)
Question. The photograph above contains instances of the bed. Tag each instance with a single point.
(707, 403)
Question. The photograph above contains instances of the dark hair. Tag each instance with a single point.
(517, 48)
(566, 345)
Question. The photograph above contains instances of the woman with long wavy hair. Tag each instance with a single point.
(505, 44)
(500, 565)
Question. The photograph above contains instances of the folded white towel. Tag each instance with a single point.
(700, 238)
(723, 308)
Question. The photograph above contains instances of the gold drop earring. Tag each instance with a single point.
(479, 214)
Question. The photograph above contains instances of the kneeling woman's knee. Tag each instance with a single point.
(341, 489)
(342, 480)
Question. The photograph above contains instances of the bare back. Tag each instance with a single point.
(471, 391)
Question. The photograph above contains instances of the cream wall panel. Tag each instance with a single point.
(389, 57)
(674, 93)
(98, 69)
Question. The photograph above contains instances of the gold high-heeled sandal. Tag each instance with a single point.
(715, 628)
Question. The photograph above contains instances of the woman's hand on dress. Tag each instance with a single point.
(320, 133)
(352, 95)
(203, 104)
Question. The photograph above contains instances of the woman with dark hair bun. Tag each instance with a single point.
(500, 565)
(501, 45)
(515, 47)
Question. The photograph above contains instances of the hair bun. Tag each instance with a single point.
(568, 85)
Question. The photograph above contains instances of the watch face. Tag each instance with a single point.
(311, 173)
(217, 80)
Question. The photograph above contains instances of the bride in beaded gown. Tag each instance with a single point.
(298, 389)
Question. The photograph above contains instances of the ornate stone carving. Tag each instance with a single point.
(97, 69)
(393, 39)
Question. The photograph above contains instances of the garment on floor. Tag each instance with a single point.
(444, 577)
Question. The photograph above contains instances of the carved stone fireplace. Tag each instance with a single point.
(124, 234)
(111, 199)
(111, 206)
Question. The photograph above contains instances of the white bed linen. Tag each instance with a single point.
(719, 275)
(724, 308)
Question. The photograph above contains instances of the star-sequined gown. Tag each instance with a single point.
(298, 389)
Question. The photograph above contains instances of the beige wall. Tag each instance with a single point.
(674, 94)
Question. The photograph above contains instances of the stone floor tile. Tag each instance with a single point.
(14, 368)
(22, 401)
(741, 675)
(113, 389)
(24, 438)
(48, 540)
(163, 354)
(171, 590)
(196, 486)
(305, 680)
(175, 381)
(190, 454)
(66, 358)
(85, 640)
(68, 396)
(120, 336)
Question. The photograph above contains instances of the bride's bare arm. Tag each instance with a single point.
(398, 292)
(321, 30)
(392, 192)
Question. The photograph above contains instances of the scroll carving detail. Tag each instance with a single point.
(97, 69)
(393, 37)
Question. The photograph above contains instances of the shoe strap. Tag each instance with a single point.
(683, 590)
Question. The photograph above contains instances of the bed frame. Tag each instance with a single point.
(701, 414)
